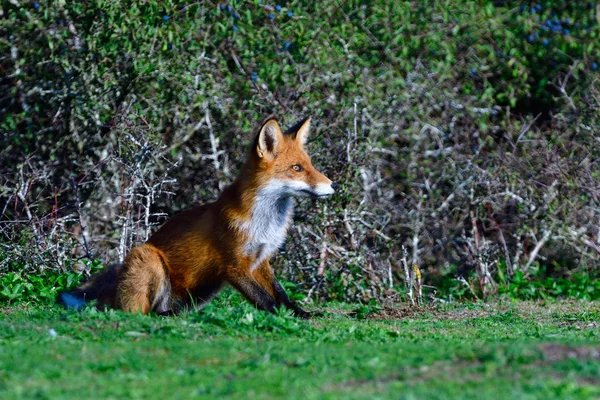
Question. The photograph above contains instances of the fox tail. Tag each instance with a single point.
(101, 287)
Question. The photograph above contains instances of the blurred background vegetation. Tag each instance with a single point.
(464, 135)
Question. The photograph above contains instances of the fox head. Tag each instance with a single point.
(282, 164)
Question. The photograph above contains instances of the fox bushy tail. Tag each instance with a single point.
(101, 287)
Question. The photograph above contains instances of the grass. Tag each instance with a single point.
(499, 350)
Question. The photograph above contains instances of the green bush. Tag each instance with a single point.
(578, 286)
(117, 114)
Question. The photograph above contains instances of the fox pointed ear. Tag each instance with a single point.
(302, 132)
(269, 137)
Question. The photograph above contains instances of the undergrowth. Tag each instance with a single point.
(462, 133)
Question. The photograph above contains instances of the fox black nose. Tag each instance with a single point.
(334, 185)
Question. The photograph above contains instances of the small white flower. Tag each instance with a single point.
(52, 332)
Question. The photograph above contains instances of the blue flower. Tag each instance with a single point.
(544, 28)
(223, 7)
(290, 14)
(473, 71)
(271, 16)
(567, 32)
(254, 76)
(286, 45)
(536, 35)
(594, 66)
(236, 16)
(165, 18)
(567, 21)
(277, 8)
(530, 39)
(538, 7)
(235, 28)
(36, 5)
(169, 46)
(545, 42)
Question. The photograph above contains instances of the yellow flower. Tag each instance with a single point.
(417, 272)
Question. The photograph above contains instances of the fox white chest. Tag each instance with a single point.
(267, 228)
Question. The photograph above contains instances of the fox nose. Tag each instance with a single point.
(334, 185)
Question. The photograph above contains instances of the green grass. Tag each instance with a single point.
(502, 350)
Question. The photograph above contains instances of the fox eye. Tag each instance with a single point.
(297, 168)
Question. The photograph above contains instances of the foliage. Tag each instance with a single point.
(457, 131)
(537, 284)
(578, 286)
(40, 288)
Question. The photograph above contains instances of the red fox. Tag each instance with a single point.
(189, 259)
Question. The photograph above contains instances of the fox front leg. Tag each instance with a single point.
(254, 292)
(266, 278)
(282, 298)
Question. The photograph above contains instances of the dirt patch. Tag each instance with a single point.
(438, 370)
(457, 311)
(428, 311)
(580, 324)
(399, 312)
(557, 352)
(554, 353)
(465, 314)
(360, 382)
(554, 308)
(8, 310)
(469, 371)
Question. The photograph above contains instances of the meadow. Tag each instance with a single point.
(503, 349)
(458, 259)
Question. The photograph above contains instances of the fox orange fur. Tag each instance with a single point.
(189, 259)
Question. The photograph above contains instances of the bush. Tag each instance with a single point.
(453, 134)
(41, 288)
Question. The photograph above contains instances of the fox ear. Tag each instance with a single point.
(302, 132)
(269, 138)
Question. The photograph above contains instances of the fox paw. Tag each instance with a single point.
(306, 315)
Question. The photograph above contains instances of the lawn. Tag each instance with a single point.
(499, 350)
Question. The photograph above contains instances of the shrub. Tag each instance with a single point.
(453, 134)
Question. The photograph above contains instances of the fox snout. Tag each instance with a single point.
(316, 190)
(323, 190)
